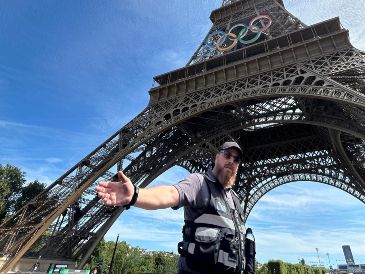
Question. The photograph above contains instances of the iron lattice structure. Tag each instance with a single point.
(294, 99)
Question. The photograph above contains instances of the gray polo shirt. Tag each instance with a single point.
(194, 194)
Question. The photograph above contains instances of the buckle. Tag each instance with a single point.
(180, 248)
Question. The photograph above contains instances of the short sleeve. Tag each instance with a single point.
(193, 192)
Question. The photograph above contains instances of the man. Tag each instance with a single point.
(213, 234)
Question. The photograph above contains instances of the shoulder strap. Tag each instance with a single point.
(207, 182)
(212, 186)
(237, 201)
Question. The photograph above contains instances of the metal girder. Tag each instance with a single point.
(294, 100)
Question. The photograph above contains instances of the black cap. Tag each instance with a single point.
(234, 145)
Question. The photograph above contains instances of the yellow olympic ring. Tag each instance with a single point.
(235, 40)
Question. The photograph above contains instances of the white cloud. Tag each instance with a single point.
(302, 244)
(53, 160)
(164, 215)
(175, 59)
(297, 196)
(142, 231)
(44, 131)
(10, 124)
(170, 177)
(44, 174)
(351, 15)
(292, 220)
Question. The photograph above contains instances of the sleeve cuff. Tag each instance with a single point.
(179, 191)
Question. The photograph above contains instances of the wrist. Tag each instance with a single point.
(134, 197)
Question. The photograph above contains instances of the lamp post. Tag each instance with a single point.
(329, 261)
(112, 261)
(319, 261)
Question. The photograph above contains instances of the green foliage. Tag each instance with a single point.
(28, 192)
(13, 193)
(11, 182)
(131, 260)
(279, 267)
(263, 269)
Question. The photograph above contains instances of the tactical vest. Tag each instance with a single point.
(214, 241)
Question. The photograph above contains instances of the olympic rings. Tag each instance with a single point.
(223, 41)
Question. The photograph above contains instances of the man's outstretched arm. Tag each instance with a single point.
(120, 193)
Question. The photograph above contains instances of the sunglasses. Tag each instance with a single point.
(228, 156)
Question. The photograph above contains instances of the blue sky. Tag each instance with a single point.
(74, 72)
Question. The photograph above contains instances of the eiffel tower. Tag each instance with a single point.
(292, 95)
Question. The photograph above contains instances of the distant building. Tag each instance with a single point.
(348, 255)
(350, 267)
(342, 268)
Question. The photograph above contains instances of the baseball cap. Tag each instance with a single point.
(234, 145)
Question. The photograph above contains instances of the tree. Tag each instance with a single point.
(131, 260)
(13, 193)
(279, 267)
(28, 192)
(165, 262)
(11, 182)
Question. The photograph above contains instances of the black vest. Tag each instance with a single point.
(214, 241)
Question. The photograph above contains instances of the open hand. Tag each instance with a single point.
(116, 193)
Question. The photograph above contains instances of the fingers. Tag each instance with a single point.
(108, 192)
(106, 198)
(103, 190)
(100, 190)
(122, 177)
(107, 201)
(105, 193)
(103, 196)
(103, 184)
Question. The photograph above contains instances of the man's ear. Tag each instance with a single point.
(216, 157)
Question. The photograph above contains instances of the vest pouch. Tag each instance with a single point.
(202, 254)
(228, 256)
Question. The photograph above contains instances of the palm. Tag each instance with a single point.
(116, 193)
(120, 193)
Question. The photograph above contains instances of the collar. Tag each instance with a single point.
(214, 179)
(211, 176)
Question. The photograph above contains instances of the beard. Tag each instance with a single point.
(228, 179)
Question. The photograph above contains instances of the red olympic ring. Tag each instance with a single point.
(254, 28)
(218, 39)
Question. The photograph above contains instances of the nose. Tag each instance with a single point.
(230, 159)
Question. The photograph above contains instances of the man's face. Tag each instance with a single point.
(226, 162)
